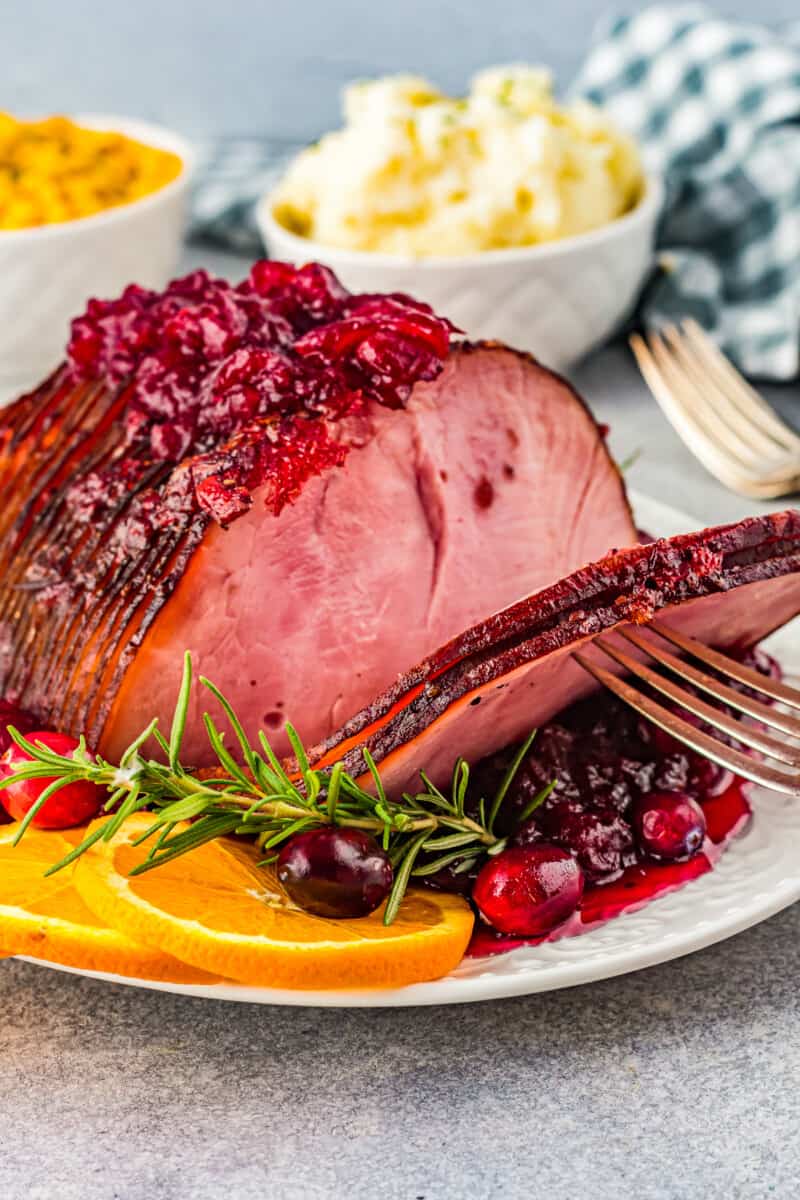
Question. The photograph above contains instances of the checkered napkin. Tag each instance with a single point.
(715, 106)
(231, 176)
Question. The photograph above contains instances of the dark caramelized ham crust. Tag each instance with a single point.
(490, 484)
(728, 587)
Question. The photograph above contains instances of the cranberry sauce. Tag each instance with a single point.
(244, 385)
(640, 814)
(638, 883)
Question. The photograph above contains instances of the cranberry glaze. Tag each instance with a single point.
(243, 386)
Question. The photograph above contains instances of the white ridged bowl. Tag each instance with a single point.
(48, 273)
(557, 300)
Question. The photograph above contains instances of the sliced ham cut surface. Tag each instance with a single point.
(728, 587)
(493, 482)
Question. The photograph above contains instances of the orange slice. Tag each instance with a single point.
(215, 908)
(46, 918)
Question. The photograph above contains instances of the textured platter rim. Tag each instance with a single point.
(710, 909)
(454, 990)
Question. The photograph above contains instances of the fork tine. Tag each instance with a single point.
(737, 386)
(714, 687)
(693, 434)
(725, 756)
(744, 419)
(747, 734)
(702, 443)
(696, 403)
(728, 666)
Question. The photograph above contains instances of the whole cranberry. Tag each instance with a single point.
(69, 806)
(528, 890)
(671, 773)
(758, 660)
(707, 778)
(663, 744)
(702, 776)
(335, 872)
(11, 714)
(529, 833)
(669, 826)
(448, 879)
(599, 839)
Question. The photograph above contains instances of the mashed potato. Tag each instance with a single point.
(414, 172)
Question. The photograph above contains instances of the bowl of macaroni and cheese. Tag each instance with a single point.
(86, 206)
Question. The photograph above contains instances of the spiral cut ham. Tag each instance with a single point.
(728, 587)
(492, 482)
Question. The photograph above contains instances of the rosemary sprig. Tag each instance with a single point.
(423, 833)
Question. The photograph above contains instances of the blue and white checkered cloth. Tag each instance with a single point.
(231, 176)
(715, 107)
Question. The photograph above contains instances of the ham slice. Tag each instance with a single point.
(493, 482)
(728, 587)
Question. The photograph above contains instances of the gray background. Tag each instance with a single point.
(263, 66)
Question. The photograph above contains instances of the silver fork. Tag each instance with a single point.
(745, 765)
(735, 434)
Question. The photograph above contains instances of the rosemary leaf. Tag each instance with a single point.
(33, 771)
(167, 827)
(437, 864)
(77, 851)
(179, 716)
(287, 831)
(496, 847)
(313, 784)
(236, 725)
(463, 867)
(334, 787)
(450, 842)
(432, 790)
(42, 799)
(376, 779)
(508, 778)
(538, 799)
(136, 745)
(148, 833)
(401, 878)
(424, 800)
(186, 809)
(273, 761)
(131, 804)
(454, 823)
(460, 785)
(207, 830)
(162, 742)
(299, 749)
(225, 757)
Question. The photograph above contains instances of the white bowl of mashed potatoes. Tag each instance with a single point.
(518, 218)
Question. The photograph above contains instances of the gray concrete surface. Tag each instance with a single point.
(678, 1083)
